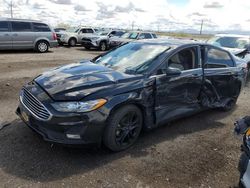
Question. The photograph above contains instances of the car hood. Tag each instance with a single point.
(76, 81)
(122, 40)
(90, 36)
(235, 51)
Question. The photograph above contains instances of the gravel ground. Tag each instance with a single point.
(198, 151)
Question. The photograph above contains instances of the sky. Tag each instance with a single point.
(162, 15)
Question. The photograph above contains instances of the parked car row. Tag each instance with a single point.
(102, 40)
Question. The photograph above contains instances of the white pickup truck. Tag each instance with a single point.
(72, 37)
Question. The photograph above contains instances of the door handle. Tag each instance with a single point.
(6, 35)
(195, 75)
(15, 35)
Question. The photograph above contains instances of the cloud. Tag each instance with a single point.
(197, 14)
(38, 6)
(213, 4)
(104, 11)
(80, 8)
(130, 7)
(63, 2)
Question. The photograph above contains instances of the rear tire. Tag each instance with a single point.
(42, 46)
(229, 105)
(123, 129)
(72, 42)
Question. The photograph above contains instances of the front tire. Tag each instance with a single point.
(123, 129)
(42, 46)
(72, 42)
(103, 46)
(230, 104)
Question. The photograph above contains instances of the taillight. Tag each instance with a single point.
(54, 36)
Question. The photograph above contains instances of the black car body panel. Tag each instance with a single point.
(161, 97)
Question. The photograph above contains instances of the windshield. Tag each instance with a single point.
(72, 30)
(132, 58)
(230, 42)
(103, 33)
(130, 35)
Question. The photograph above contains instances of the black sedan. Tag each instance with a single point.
(139, 85)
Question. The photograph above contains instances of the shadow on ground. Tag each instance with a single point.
(25, 155)
(21, 51)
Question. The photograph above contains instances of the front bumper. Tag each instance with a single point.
(90, 43)
(88, 126)
(114, 43)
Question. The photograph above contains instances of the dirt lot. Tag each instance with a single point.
(199, 151)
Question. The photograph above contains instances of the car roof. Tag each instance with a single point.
(140, 32)
(170, 42)
(232, 35)
(20, 20)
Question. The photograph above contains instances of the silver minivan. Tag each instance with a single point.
(26, 34)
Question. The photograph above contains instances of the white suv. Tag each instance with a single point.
(72, 37)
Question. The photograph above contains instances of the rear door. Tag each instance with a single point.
(22, 35)
(221, 75)
(5, 36)
(42, 30)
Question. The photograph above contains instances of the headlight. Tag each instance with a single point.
(79, 106)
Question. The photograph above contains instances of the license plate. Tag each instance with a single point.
(25, 116)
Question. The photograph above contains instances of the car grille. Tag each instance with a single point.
(34, 106)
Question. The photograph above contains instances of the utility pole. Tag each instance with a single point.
(201, 27)
(11, 8)
(133, 23)
(10, 5)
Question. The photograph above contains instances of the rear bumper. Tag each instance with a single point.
(53, 43)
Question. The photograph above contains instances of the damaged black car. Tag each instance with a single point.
(109, 100)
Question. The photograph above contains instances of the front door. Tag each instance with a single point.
(5, 36)
(177, 95)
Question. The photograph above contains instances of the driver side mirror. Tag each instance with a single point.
(248, 47)
(173, 71)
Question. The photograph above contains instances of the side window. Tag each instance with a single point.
(154, 35)
(142, 36)
(148, 36)
(145, 36)
(89, 31)
(218, 59)
(21, 26)
(40, 27)
(4, 26)
(113, 33)
(119, 33)
(83, 31)
(184, 60)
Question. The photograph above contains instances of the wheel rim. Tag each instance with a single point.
(42, 47)
(72, 42)
(103, 46)
(127, 129)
